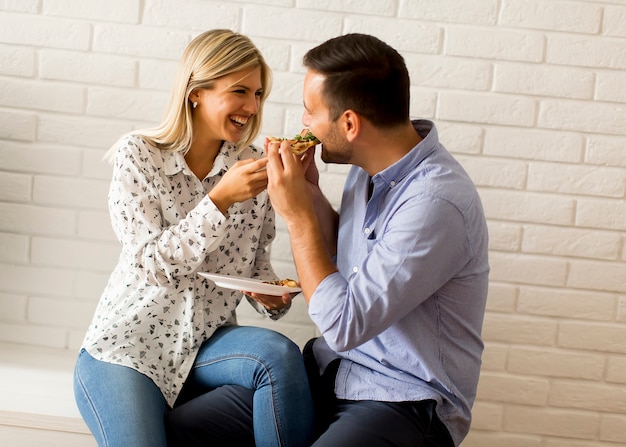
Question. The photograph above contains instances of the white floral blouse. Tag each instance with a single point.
(155, 311)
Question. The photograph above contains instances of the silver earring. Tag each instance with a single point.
(195, 104)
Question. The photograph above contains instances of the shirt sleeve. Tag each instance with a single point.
(419, 250)
(136, 197)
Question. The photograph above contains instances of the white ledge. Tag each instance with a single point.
(36, 389)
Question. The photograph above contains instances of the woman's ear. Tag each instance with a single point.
(194, 95)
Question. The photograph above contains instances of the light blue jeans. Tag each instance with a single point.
(123, 407)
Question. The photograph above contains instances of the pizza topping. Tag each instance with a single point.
(283, 282)
(301, 142)
(306, 135)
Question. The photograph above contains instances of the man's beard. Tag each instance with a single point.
(341, 149)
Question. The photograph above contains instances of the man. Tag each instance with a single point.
(397, 281)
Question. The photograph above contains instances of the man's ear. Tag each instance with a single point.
(351, 124)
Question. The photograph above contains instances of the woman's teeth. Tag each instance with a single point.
(239, 121)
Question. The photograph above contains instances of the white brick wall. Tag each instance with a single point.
(530, 95)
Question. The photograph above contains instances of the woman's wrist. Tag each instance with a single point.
(221, 203)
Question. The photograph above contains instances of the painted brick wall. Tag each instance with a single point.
(529, 94)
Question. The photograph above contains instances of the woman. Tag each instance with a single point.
(189, 196)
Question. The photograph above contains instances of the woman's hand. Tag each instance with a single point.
(244, 180)
(272, 302)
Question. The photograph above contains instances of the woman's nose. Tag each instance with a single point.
(252, 104)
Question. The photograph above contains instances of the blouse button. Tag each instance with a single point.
(355, 269)
(367, 231)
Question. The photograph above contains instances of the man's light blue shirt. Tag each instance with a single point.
(405, 310)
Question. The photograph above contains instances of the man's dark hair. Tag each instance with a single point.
(363, 74)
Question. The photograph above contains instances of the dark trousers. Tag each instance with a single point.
(220, 418)
(348, 423)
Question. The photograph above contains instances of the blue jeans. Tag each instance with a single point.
(123, 407)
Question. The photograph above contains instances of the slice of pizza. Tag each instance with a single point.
(300, 143)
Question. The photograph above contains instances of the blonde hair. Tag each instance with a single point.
(211, 55)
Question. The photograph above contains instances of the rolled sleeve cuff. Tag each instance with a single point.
(324, 302)
(208, 212)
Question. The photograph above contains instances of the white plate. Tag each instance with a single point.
(248, 284)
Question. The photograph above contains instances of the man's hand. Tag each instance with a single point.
(310, 168)
(287, 185)
(291, 195)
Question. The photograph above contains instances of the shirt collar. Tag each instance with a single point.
(174, 161)
(400, 169)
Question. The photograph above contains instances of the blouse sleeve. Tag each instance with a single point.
(262, 265)
(160, 251)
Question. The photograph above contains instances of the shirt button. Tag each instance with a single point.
(367, 231)
(355, 269)
(392, 183)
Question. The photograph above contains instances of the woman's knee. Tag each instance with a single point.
(285, 346)
(271, 343)
(282, 351)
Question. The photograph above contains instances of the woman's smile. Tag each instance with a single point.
(239, 120)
